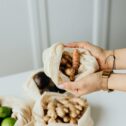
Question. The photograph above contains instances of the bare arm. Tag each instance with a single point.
(95, 82)
(120, 61)
(101, 55)
(117, 82)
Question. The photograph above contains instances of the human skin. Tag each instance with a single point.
(95, 81)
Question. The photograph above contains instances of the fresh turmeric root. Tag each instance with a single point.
(76, 60)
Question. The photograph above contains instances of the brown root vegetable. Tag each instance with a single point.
(73, 121)
(46, 118)
(52, 120)
(64, 102)
(63, 61)
(60, 112)
(52, 104)
(67, 56)
(68, 65)
(71, 107)
(59, 120)
(73, 114)
(76, 60)
(51, 113)
(51, 109)
(72, 78)
(65, 53)
(79, 101)
(78, 112)
(66, 119)
(66, 110)
(71, 73)
(79, 107)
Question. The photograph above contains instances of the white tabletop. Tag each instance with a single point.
(108, 109)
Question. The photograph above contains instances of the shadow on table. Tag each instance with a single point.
(96, 113)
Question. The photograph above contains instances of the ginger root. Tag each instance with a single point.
(66, 119)
(51, 109)
(69, 64)
(60, 111)
(67, 109)
(79, 101)
(73, 121)
(71, 73)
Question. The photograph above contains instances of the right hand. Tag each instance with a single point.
(99, 53)
(88, 84)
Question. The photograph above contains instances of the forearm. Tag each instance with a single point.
(117, 82)
(120, 59)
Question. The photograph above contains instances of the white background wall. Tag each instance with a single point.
(15, 46)
(117, 32)
(29, 26)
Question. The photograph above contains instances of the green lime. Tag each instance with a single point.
(8, 122)
(5, 112)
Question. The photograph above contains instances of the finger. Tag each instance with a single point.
(73, 44)
(67, 86)
(83, 44)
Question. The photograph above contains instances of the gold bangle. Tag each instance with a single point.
(111, 57)
(106, 75)
(114, 64)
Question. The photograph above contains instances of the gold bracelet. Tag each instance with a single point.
(106, 75)
(113, 66)
(114, 58)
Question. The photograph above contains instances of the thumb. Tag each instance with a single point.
(68, 85)
(83, 44)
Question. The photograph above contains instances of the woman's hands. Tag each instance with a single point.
(90, 83)
(94, 81)
(100, 54)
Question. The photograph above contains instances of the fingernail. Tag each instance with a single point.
(61, 86)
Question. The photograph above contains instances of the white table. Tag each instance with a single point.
(108, 109)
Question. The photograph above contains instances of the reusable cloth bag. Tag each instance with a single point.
(52, 58)
(30, 87)
(38, 112)
(20, 110)
(35, 87)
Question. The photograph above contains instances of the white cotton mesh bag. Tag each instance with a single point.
(52, 58)
(20, 110)
(38, 112)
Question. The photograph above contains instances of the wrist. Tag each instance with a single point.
(104, 81)
(108, 60)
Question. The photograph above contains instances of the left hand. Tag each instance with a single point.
(88, 84)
